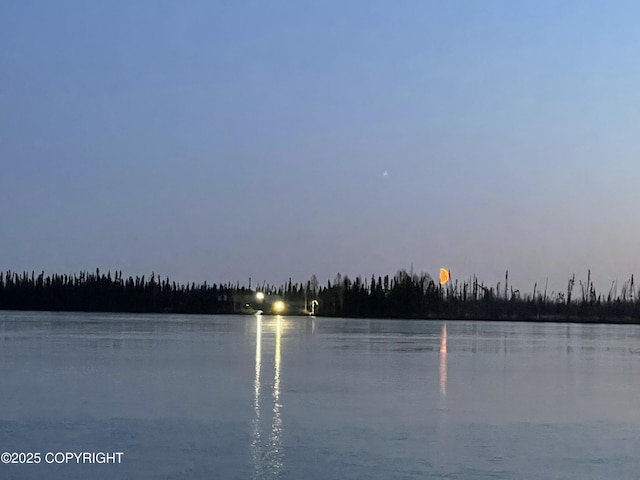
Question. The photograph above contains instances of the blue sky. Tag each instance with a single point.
(225, 140)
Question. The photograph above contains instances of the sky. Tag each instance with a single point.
(228, 140)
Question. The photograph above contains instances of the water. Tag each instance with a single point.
(291, 397)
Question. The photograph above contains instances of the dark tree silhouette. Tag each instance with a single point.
(405, 295)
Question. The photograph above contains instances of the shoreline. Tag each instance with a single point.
(589, 320)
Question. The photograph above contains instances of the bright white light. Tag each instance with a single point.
(260, 295)
(278, 306)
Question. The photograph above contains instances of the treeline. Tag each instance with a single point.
(409, 295)
(104, 292)
(96, 292)
(404, 295)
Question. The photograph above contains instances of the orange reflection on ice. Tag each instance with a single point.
(443, 361)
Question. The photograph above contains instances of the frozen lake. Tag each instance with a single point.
(301, 398)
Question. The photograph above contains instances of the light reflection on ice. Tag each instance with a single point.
(267, 453)
(443, 362)
(256, 443)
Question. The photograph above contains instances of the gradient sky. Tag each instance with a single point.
(222, 140)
